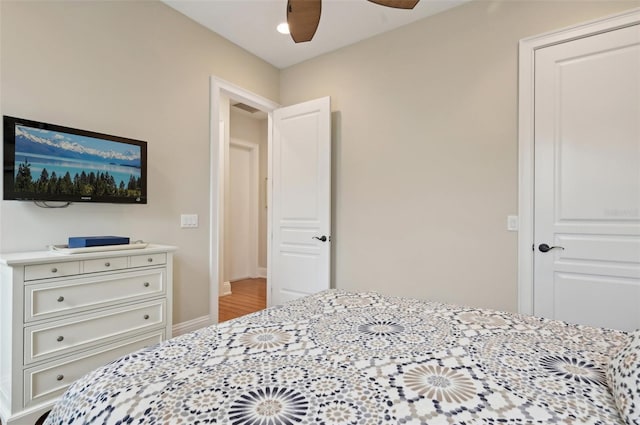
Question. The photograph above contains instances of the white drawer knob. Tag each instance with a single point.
(107, 264)
(146, 284)
(59, 377)
(54, 270)
(60, 298)
(60, 338)
(146, 317)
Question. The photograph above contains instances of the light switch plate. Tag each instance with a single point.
(188, 220)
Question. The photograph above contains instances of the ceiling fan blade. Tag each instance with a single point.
(303, 17)
(398, 4)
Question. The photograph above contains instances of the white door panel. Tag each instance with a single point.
(298, 281)
(600, 248)
(599, 298)
(300, 182)
(587, 180)
(301, 200)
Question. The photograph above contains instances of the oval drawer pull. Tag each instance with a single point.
(107, 264)
(60, 298)
(60, 338)
(59, 377)
(146, 284)
(54, 270)
(150, 260)
(146, 317)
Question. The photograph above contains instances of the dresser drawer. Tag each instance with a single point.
(104, 264)
(47, 300)
(147, 260)
(65, 336)
(48, 381)
(49, 270)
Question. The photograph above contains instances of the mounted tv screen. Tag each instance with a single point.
(47, 162)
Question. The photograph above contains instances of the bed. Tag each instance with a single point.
(362, 358)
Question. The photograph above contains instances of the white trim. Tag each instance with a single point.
(226, 288)
(527, 49)
(190, 325)
(241, 278)
(269, 205)
(221, 88)
(262, 272)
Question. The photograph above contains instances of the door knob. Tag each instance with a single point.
(543, 247)
(322, 238)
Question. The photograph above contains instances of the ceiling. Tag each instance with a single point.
(251, 24)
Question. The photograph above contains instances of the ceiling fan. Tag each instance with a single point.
(303, 16)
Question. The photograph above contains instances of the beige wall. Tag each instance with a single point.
(136, 69)
(425, 149)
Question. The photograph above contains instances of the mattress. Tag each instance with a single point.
(358, 358)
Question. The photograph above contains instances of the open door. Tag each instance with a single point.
(300, 248)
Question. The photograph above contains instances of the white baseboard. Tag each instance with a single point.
(190, 325)
(226, 289)
(237, 278)
(262, 272)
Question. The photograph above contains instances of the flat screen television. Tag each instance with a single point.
(47, 162)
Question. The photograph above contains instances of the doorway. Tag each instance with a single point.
(245, 210)
(298, 193)
(223, 96)
(243, 230)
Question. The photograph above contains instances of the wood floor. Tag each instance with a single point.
(247, 296)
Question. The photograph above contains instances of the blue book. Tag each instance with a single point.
(87, 241)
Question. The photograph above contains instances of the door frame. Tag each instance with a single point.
(527, 49)
(217, 170)
(254, 191)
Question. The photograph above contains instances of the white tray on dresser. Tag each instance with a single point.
(62, 314)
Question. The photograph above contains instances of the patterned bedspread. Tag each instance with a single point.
(358, 358)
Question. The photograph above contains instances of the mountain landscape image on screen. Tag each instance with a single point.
(57, 163)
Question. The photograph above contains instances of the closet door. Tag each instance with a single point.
(587, 180)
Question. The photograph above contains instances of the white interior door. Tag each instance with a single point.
(301, 200)
(587, 180)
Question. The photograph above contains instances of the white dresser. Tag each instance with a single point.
(62, 316)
